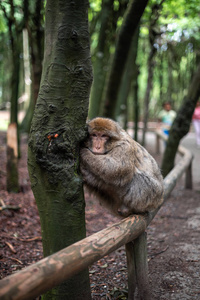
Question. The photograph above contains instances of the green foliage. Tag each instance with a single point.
(2, 23)
(177, 44)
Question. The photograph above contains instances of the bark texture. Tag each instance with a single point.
(56, 131)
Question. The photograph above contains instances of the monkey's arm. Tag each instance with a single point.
(115, 167)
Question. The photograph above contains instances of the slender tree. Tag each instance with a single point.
(57, 128)
(155, 14)
(15, 36)
(181, 124)
(34, 23)
(131, 21)
(101, 59)
(130, 72)
(135, 100)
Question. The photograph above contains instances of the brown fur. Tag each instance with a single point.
(122, 174)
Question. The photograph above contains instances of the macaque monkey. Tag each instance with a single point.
(119, 170)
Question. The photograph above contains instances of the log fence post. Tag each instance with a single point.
(137, 265)
(141, 266)
(131, 269)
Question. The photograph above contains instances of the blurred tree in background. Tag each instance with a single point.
(174, 38)
(167, 29)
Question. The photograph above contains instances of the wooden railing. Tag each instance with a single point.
(184, 165)
(52, 270)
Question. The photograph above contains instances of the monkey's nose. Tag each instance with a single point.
(98, 146)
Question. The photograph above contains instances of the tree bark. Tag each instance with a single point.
(56, 132)
(181, 124)
(131, 21)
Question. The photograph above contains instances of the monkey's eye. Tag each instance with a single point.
(94, 135)
(104, 135)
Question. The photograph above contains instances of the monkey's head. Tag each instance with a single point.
(102, 135)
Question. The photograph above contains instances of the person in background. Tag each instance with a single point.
(196, 123)
(166, 116)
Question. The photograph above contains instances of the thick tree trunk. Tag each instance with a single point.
(131, 21)
(56, 131)
(181, 124)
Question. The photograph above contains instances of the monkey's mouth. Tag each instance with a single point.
(96, 152)
(99, 153)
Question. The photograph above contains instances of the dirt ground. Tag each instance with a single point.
(173, 239)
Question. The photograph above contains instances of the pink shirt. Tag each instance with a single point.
(196, 115)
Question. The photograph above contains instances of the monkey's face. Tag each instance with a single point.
(97, 142)
(102, 135)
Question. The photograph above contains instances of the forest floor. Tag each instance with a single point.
(173, 236)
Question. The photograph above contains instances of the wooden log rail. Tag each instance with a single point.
(52, 270)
